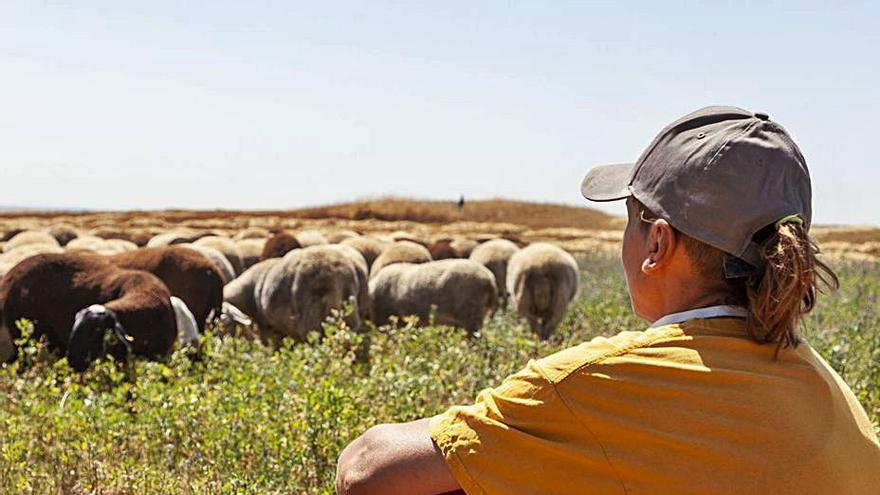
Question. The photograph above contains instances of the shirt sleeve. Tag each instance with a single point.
(520, 438)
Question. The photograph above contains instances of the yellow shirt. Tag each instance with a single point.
(689, 408)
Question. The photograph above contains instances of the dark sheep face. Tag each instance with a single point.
(87, 338)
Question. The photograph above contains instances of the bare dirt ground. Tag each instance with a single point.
(577, 229)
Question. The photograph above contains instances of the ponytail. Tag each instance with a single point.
(778, 296)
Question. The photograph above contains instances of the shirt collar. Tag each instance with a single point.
(707, 312)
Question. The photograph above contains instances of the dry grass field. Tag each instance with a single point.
(577, 229)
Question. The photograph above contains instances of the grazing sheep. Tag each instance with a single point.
(362, 271)
(495, 255)
(461, 292)
(400, 235)
(442, 250)
(463, 247)
(99, 245)
(63, 233)
(308, 238)
(221, 262)
(543, 280)
(278, 245)
(188, 274)
(369, 247)
(173, 237)
(226, 246)
(400, 252)
(187, 329)
(30, 238)
(337, 236)
(250, 251)
(9, 234)
(7, 346)
(121, 245)
(140, 239)
(75, 298)
(291, 296)
(16, 256)
(252, 233)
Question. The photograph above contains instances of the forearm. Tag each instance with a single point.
(394, 459)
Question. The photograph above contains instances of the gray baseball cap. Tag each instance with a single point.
(719, 174)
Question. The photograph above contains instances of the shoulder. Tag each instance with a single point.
(559, 366)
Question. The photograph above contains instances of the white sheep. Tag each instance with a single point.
(291, 296)
(542, 278)
(9, 259)
(495, 255)
(250, 250)
(187, 329)
(30, 238)
(226, 246)
(252, 233)
(227, 272)
(460, 292)
(400, 252)
(369, 247)
(308, 238)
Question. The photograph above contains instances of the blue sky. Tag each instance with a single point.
(281, 104)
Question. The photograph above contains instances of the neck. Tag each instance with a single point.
(686, 296)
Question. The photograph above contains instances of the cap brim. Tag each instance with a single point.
(608, 182)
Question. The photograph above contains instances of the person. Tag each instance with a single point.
(720, 394)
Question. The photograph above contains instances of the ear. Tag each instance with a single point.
(123, 337)
(236, 314)
(662, 241)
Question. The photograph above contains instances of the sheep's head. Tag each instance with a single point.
(88, 338)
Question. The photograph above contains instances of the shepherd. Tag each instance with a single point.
(719, 394)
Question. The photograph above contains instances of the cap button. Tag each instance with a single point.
(762, 115)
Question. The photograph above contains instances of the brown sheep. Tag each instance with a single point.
(495, 255)
(188, 274)
(443, 250)
(74, 298)
(542, 278)
(461, 292)
(400, 252)
(140, 239)
(278, 245)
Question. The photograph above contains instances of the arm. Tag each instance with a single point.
(394, 459)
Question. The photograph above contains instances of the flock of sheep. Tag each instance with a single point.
(91, 296)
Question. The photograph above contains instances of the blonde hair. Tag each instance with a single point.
(778, 295)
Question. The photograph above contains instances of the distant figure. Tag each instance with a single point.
(461, 203)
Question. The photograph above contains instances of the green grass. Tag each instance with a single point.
(239, 417)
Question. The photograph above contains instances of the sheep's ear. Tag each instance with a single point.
(237, 315)
(123, 337)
